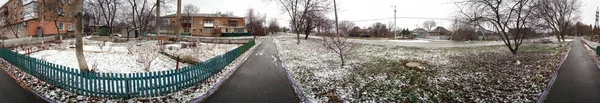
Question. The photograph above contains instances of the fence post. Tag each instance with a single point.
(128, 86)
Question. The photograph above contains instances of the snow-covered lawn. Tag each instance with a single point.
(61, 96)
(377, 73)
(115, 57)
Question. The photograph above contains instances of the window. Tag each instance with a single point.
(208, 21)
(59, 11)
(70, 27)
(199, 21)
(227, 30)
(217, 22)
(209, 30)
(69, 1)
(186, 29)
(199, 30)
(239, 30)
(70, 14)
(61, 26)
(194, 30)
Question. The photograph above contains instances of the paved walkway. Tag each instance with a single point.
(11, 92)
(260, 79)
(578, 80)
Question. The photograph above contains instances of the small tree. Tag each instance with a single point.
(146, 57)
(340, 45)
(429, 24)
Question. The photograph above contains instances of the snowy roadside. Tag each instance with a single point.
(377, 73)
(60, 96)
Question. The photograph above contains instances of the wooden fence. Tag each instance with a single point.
(123, 85)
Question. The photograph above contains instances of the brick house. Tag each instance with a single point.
(205, 24)
(27, 18)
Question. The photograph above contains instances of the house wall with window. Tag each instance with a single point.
(36, 19)
(207, 24)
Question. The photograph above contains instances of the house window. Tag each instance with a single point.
(227, 30)
(194, 30)
(186, 29)
(70, 14)
(61, 26)
(70, 27)
(208, 21)
(199, 30)
(69, 1)
(199, 21)
(59, 11)
(209, 30)
(239, 30)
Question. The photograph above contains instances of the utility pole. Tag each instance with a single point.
(394, 27)
(178, 21)
(597, 28)
(157, 20)
(337, 30)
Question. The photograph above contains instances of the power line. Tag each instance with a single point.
(424, 18)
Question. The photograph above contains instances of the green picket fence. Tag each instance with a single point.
(123, 85)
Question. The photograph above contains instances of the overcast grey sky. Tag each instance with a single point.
(360, 10)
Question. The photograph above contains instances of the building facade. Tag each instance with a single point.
(36, 18)
(204, 24)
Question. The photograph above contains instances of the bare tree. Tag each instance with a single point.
(558, 15)
(78, 36)
(503, 15)
(297, 10)
(255, 22)
(379, 30)
(108, 11)
(58, 12)
(346, 26)
(189, 11)
(340, 45)
(141, 15)
(429, 24)
(12, 18)
(273, 26)
(146, 57)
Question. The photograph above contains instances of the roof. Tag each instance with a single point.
(419, 30)
(215, 15)
(440, 30)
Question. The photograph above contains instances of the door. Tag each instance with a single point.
(39, 32)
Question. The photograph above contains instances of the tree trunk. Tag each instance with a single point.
(78, 40)
(157, 17)
(298, 35)
(178, 21)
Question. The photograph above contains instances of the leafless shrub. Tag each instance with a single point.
(94, 67)
(340, 45)
(146, 57)
(130, 48)
(101, 45)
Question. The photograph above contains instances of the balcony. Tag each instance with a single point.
(209, 25)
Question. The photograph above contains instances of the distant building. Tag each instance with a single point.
(439, 31)
(206, 24)
(27, 19)
(419, 32)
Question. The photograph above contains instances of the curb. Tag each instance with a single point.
(547, 89)
(27, 87)
(294, 85)
(587, 46)
(218, 84)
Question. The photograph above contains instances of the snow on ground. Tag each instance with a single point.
(61, 96)
(203, 51)
(377, 73)
(115, 57)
